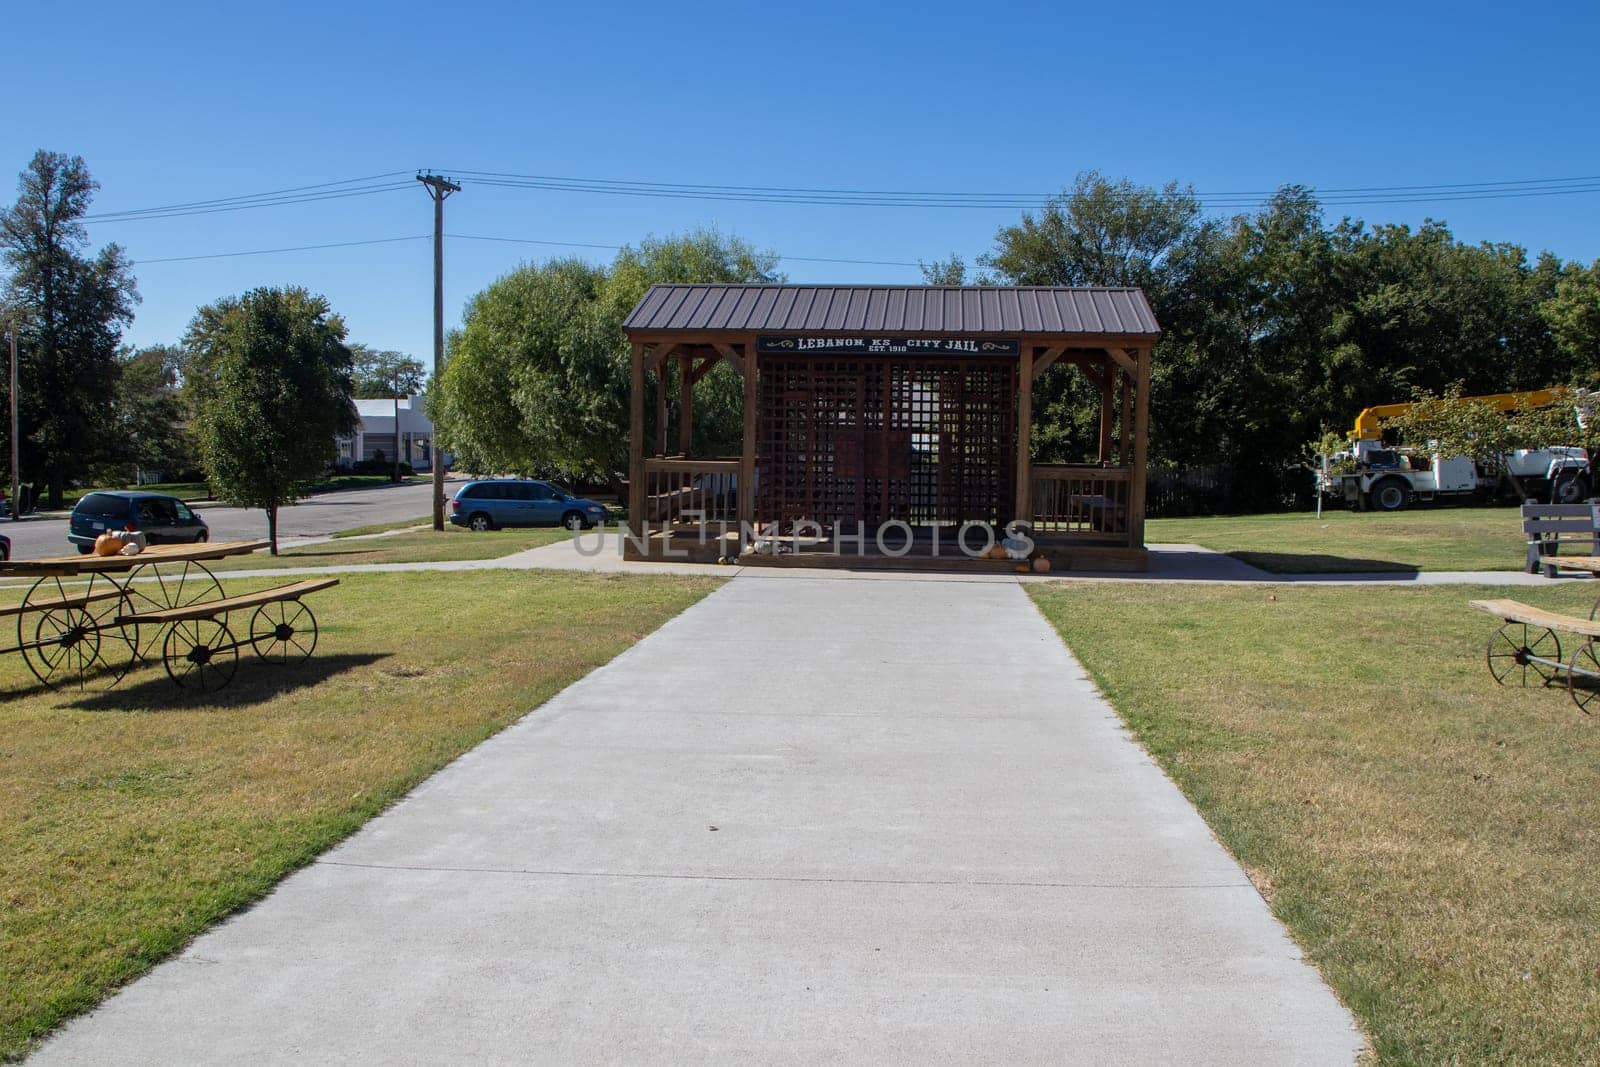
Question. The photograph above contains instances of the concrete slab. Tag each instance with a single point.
(882, 821)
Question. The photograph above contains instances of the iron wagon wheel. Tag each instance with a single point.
(200, 654)
(283, 632)
(74, 640)
(1514, 648)
(157, 586)
(1583, 676)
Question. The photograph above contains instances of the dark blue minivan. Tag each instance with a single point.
(491, 504)
(165, 520)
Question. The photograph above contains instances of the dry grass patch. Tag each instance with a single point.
(1432, 839)
(131, 820)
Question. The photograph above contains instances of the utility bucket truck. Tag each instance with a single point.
(1372, 475)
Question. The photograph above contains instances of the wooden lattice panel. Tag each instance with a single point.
(928, 442)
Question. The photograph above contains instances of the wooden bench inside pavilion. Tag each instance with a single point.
(871, 405)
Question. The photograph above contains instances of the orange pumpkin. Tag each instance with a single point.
(1041, 565)
(107, 544)
(997, 552)
(1022, 568)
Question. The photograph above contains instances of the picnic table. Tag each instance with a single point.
(88, 619)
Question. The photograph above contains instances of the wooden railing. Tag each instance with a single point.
(691, 492)
(1087, 503)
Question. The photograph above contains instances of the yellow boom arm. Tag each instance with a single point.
(1369, 424)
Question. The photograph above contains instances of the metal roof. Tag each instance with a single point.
(895, 309)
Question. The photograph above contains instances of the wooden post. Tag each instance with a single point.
(1023, 511)
(1141, 448)
(636, 443)
(1108, 379)
(747, 458)
(685, 402)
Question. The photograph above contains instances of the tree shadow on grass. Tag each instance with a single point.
(255, 682)
(1322, 563)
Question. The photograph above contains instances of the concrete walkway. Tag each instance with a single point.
(876, 821)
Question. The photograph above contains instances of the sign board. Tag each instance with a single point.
(869, 345)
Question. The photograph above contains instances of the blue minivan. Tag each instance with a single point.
(491, 504)
(164, 519)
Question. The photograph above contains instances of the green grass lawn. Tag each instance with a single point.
(1431, 839)
(419, 546)
(131, 820)
(1432, 539)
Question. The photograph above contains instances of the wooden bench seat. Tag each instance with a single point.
(1516, 611)
(61, 602)
(213, 608)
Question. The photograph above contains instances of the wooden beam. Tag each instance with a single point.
(704, 366)
(747, 457)
(1141, 448)
(636, 442)
(1023, 511)
(1123, 359)
(654, 358)
(685, 403)
(728, 353)
(1045, 359)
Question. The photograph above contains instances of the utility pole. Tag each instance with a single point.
(439, 189)
(16, 479)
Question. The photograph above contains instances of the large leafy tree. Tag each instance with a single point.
(269, 375)
(150, 416)
(72, 306)
(538, 375)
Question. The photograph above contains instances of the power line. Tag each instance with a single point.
(247, 196)
(273, 251)
(243, 204)
(1354, 195)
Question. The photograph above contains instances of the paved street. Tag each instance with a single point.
(315, 516)
(814, 820)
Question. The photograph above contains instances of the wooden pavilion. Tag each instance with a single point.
(865, 405)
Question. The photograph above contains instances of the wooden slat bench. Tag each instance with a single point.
(1549, 527)
(1529, 641)
(200, 649)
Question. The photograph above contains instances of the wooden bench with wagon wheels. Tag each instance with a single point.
(1527, 649)
(200, 649)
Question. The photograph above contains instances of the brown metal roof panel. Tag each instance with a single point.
(761, 311)
(714, 308)
(894, 313)
(1028, 312)
(644, 314)
(859, 310)
(782, 307)
(739, 314)
(670, 302)
(877, 310)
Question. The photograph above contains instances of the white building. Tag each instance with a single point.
(375, 433)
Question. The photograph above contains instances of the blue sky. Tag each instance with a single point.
(182, 102)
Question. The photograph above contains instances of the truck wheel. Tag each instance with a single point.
(1391, 494)
(1569, 489)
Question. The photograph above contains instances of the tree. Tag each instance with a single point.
(270, 379)
(150, 417)
(1572, 312)
(386, 373)
(538, 375)
(73, 307)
